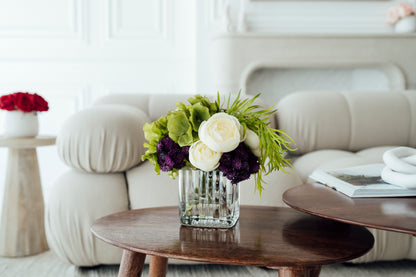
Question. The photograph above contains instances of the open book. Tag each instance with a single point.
(360, 181)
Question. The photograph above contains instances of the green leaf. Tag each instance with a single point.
(199, 113)
(204, 101)
(181, 106)
(273, 143)
(180, 130)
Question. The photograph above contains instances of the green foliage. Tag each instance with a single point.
(154, 132)
(180, 130)
(181, 125)
(204, 101)
(273, 143)
(200, 109)
(199, 113)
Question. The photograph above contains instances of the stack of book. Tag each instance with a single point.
(360, 181)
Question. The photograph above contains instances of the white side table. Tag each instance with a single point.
(22, 230)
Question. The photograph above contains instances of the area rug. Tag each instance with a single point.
(48, 265)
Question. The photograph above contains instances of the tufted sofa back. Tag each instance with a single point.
(154, 105)
(348, 121)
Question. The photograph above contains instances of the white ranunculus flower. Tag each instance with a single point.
(221, 132)
(252, 139)
(256, 152)
(253, 142)
(202, 157)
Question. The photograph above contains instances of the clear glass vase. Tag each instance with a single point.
(207, 199)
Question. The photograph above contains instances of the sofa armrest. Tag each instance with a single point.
(103, 139)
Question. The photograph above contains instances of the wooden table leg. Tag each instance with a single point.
(22, 230)
(131, 264)
(158, 266)
(301, 271)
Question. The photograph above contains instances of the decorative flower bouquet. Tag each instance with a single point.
(212, 148)
(24, 102)
(398, 12)
(21, 119)
(235, 139)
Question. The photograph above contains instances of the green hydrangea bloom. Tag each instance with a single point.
(199, 113)
(154, 132)
(180, 130)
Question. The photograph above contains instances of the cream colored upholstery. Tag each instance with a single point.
(103, 145)
(102, 139)
(349, 121)
(74, 203)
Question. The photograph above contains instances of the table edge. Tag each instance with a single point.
(345, 220)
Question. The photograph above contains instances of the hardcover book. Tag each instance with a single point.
(360, 181)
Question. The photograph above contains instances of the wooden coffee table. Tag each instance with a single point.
(292, 242)
(386, 213)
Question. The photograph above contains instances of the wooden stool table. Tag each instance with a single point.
(22, 230)
(292, 242)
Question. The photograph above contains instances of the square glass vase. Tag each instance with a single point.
(207, 199)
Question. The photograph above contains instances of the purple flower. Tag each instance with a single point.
(170, 155)
(239, 164)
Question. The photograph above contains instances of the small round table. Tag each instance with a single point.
(295, 243)
(22, 230)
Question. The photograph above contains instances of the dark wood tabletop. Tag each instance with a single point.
(264, 236)
(396, 214)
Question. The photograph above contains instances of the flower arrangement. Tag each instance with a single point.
(24, 102)
(400, 11)
(235, 139)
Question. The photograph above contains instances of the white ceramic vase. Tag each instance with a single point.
(17, 124)
(406, 25)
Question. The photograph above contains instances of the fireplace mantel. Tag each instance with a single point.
(237, 56)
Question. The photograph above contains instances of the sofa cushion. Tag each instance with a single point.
(348, 121)
(75, 201)
(102, 139)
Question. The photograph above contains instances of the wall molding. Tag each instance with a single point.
(315, 16)
(76, 27)
(159, 31)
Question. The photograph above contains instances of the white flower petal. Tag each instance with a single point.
(202, 157)
(221, 132)
(256, 152)
(252, 139)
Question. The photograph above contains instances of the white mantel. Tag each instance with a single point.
(237, 56)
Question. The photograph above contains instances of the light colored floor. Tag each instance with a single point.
(48, 265)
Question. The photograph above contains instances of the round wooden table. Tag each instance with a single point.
(295, 243)
(396, 214)
(22, 230)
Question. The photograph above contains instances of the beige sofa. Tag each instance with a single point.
(102, 146)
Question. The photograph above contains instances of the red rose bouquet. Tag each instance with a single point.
(24, 102)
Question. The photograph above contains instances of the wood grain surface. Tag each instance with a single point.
(264, 236)
(31, 142)
(396, 214)
(22, 230)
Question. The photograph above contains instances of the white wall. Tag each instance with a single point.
(73, 51)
